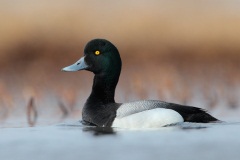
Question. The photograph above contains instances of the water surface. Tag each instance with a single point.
(74, 141)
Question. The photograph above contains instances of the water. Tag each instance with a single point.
(72, 141)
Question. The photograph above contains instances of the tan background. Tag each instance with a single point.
(186, 52)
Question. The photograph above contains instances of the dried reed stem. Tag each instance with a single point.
(64, 110)
(31, 113)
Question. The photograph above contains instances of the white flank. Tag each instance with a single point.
(154, 118)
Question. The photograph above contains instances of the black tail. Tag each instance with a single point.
(201, 117)
(193, 114)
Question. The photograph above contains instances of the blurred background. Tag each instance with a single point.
(185, 52)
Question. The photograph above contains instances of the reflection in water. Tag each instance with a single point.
(193, 127)
(99, 131)
(187, 125)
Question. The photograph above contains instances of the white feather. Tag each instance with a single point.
(154, 118)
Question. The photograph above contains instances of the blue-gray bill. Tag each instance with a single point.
(79, 65)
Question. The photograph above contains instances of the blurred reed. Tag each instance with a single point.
(32, 113)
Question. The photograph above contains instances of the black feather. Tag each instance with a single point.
(192, 114)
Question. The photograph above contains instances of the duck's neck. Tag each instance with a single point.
(104, 85)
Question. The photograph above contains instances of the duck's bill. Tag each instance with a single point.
(79, 65)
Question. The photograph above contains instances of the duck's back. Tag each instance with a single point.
(189, 113)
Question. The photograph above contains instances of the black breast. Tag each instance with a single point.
(99, 114)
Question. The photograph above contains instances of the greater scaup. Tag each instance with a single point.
(102, 58)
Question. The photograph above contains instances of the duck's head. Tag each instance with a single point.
(100, 56)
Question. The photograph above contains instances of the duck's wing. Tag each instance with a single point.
(189, 113)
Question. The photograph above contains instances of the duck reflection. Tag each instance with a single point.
(99, 131)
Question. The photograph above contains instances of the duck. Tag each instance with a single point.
(102, 58)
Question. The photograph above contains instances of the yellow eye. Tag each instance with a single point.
(97, 53)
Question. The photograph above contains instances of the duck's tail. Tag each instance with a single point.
(193, 114)
(201, 117)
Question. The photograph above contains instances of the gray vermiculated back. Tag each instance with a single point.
(127, 109)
